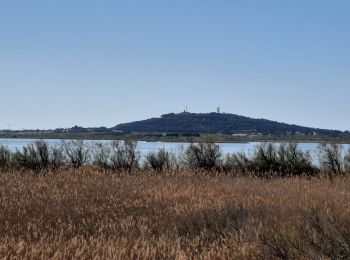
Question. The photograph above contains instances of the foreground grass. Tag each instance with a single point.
(90, 214)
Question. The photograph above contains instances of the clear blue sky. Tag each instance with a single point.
(95, 63)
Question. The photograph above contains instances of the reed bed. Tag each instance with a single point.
(88, 213)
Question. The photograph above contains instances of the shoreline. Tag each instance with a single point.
(165, 139)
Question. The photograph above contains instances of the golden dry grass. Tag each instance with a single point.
(88, 214)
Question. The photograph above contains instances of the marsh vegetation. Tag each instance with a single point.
(88, 213)
(266, 160)
(78, 201)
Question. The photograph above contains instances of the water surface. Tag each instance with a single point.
(145, 147)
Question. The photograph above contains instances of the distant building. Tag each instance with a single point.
(240, 135)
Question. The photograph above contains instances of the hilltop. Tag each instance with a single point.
(222, 127)
(219, 123)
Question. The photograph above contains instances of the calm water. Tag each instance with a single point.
(145, 147)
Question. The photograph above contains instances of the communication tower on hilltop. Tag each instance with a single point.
(218, 110)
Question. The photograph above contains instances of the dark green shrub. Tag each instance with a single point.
(161, 160)
(5, 158)
(205, 156)
(41, 148)
(265, 159)
(33, 157)
(294, 161)
(28, 158)
(237, 162)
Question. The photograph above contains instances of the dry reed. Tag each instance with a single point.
(89, 214)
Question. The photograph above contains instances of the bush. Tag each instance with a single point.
(238, 162)
(206, 156)
(57, 157)
(77, 152)
(124, 155)
(33, 157)
(28, 158)
(39, 156)
(265, 159)
(283, 160)
(161, 160)
(5, 158)
(101, 153)
(42, 150)
(331, 158)
(294, 161)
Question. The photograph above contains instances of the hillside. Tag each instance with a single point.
(210, 123)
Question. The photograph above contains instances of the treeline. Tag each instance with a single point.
(267, 159)
(213, 123)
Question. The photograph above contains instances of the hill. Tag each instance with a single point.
(213, 123)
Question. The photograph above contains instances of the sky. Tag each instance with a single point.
(105, 62)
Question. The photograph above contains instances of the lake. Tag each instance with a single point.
(145, 147)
